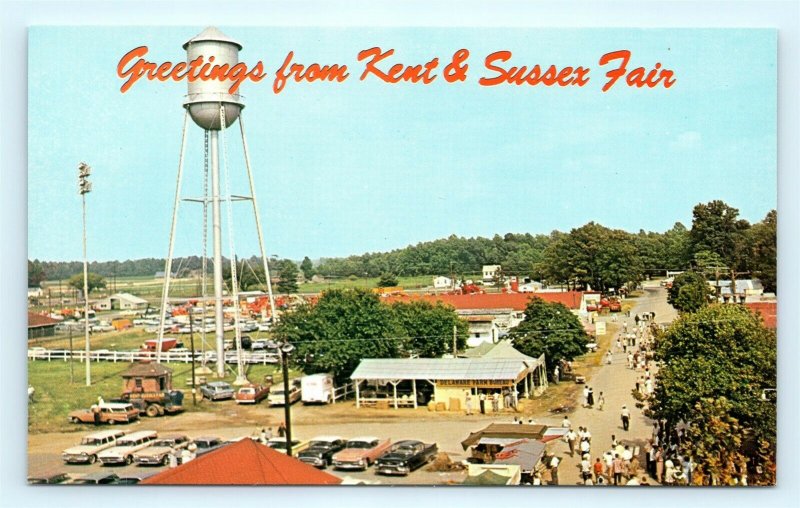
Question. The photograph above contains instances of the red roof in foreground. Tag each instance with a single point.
(768, 311)
(37, 320)
(516, 301)
(245, 462)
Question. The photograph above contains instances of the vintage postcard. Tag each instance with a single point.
(390, 256)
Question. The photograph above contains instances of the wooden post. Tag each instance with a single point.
(358, 398)
(527, 393)
(414, 389)
(394, 387)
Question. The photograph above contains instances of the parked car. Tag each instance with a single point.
(205, 444)
(360, 452)
(404, 457)
(86, 452)
(159, 452)
(279, 445)
(98, 478)
(252, 394)
(258, 345)
(109, 412)
(217, 390)
(126, 446)
(320, 451)
(47, 478)
(277, 395)
(102, 326)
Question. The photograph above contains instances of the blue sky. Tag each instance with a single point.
(365, 166)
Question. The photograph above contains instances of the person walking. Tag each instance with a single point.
(496, 402)
(572, 440)
(601, 400)
(554, 470)
(507, 399)
(556, 374)
(590, 398)
(609, 357)
(586, 468)
(468, 403)
(282, 430)
(660, 465)
(482, 402)
(625, 415)
(565, 423)
(597, 467)
(263, 437)
(585, 396)
(618, 467)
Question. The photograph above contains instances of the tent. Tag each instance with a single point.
(504, 434)
(244, 462)
(525, 454)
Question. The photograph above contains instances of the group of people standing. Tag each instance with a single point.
(508, 397)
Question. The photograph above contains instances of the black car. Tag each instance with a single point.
(320, 451)
(405, 456)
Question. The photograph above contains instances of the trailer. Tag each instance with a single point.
(317, 389)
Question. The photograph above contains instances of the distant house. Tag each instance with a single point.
(160, 275)
(121, 301)
(35, 293)
(442, 282)
(745, 290)
(41, 326)
(490, 272)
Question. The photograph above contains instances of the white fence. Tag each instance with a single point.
(104, 355)
(341, 392)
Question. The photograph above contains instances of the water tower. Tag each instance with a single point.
(214, 109)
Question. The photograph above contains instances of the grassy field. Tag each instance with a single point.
(56, 395)
(130, 339)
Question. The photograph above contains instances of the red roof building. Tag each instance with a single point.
(244, 462)
(768, 311)
(516, 301)
(41, 326)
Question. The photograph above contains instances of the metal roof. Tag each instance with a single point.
(441, 368)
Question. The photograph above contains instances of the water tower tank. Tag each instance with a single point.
(205, 96)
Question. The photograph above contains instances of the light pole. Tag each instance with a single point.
(285, 349)
(84, 187)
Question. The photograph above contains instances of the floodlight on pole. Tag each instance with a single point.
(84, 187)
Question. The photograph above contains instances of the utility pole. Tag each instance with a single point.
(71, 354)
(191, 346)
(455, 334)
(84, 187)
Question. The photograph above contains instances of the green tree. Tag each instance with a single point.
(288, 277)
(552, 329)
(94, 281)
(717, 228)
(762, 240)
(307, 267)
(36, 273)
(713, 440)
(690, 292)
(429, 328)
(720, 351)
(340, 329)
(387, 280)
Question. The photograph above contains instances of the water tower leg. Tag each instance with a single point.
(219, 331)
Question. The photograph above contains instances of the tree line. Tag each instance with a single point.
(718, 243)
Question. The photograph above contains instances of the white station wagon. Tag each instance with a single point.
(90, 446)
(126, 446)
